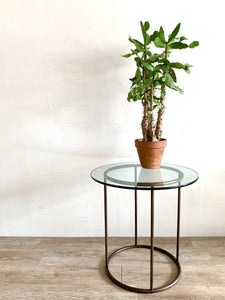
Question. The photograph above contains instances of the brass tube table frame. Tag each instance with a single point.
(132, 176)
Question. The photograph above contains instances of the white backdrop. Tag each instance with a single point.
(63, 112)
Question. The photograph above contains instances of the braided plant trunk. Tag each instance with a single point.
(158, 130)
(145, 121)
(152, 126)
(147, 124)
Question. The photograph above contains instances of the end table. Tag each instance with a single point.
(133, 176)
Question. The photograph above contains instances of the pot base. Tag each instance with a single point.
(150, 153)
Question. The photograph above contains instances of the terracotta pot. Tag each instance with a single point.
(150, 153)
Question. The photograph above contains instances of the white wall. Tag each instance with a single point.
(63, 112)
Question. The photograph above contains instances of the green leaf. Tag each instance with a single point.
(182, 38)
(141, 89)
(138, 73)
(164, 61)
(137, 97)
(136, 80)
(173, 75)
(147, 82)
(136, 51)
(138, 60)
(154, 35)
(146, 26)
(148, 39)
(129, 96)
(150, 112)
(177, 65)
(148, 53)
(161, 35)
(158, 43)
(159, 82)
(156, 76)
(127, 55)
(147, 66)
(178, 45)
(157, 100)
(164, 68)
(169, 81)
(174, 33)
(143, 32)
(163, 93)
(158, 104)
(168, 53)
(153, 58)
(177, 88)
(130, 39)
(138, 44)
(133, 79)
(194, 44)
(186, 68)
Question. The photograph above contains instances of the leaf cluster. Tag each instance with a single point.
(154, 70)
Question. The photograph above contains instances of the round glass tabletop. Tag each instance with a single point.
(133, 176)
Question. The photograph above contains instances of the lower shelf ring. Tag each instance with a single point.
(142, 290)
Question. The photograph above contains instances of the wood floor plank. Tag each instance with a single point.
(73, 268)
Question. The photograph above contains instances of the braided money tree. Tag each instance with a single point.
(154, 74)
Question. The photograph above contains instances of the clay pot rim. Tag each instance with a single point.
(151, 144)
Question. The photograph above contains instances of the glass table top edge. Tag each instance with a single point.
(145, 186)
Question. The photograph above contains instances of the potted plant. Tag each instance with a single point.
(154, 74)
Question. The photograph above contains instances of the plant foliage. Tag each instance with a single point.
(154, 74)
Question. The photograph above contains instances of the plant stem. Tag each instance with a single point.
(144, 123)
(151, 117)
(146, 118)
(158, 130)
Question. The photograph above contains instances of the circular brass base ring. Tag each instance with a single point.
(143, 290)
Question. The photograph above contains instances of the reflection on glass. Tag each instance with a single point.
(149, 177)
(134, 175)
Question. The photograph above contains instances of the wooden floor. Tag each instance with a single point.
(73, 268)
